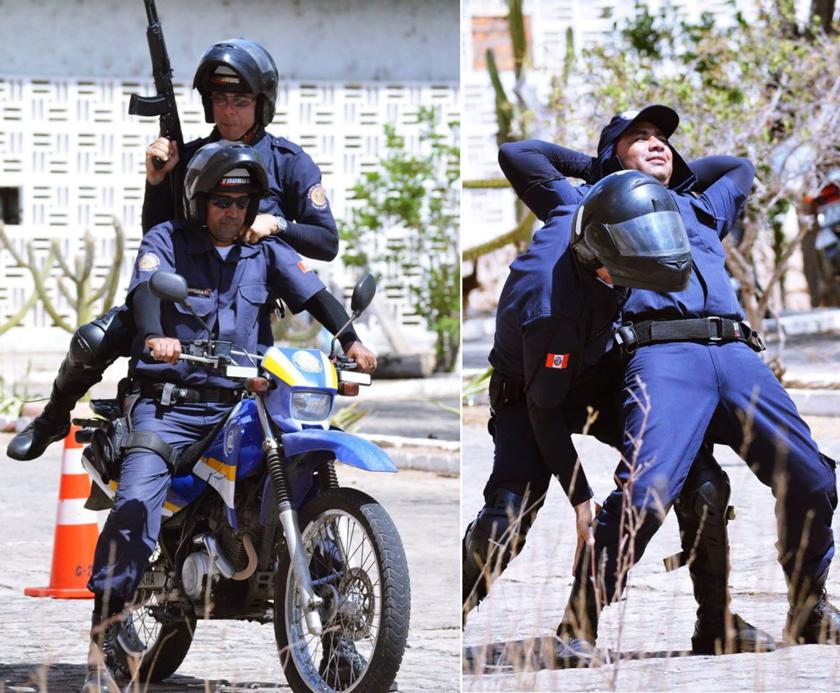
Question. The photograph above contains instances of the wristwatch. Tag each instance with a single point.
(282, 225)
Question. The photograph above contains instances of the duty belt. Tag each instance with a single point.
(170, 393)
(711, 329)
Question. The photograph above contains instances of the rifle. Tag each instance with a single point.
(162, 104)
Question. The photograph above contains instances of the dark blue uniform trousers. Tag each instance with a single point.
(132, 528)
(674, 391)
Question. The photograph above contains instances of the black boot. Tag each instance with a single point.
(578, 631)
(103, 669)
(53, 424)
(717, 630)
(812, 619)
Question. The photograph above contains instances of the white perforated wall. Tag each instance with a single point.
(76, 156)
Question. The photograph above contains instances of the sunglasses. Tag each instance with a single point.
(223, 202)
(237, 101)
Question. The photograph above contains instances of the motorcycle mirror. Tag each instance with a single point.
(363, 293)
(168, 286)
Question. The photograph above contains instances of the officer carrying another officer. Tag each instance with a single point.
(229, 281)
(237, 80)
(552, 361)
(537, 171)
(691, 345)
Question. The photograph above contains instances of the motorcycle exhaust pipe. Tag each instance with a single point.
(217, 558)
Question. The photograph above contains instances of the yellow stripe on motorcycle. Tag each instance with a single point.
(278, 364)
(228, 471)
(170, 509)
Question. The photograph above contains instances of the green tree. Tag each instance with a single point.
(415, 195)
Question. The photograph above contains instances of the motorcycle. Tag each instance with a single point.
(825, 206)
(260, 530)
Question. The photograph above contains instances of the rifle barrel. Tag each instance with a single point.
(151, 11)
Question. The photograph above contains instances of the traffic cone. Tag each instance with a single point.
(76, 530)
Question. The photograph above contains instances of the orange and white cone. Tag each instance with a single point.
(76, 530)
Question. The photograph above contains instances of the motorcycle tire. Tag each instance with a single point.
(358, 566)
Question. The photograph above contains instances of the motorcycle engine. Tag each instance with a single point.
(194, 574)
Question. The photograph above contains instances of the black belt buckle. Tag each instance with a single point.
(625, 338)
(718, 322)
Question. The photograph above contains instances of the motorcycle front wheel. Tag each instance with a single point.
(358, 567)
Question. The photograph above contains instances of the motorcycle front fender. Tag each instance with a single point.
(347, 448)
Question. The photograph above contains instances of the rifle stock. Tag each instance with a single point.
(162, 104)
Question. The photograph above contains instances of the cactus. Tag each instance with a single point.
(506, 113)
(84, 297)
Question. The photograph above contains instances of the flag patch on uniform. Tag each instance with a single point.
(556, 360)
(303, 267)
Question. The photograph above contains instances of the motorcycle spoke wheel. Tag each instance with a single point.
(358, 568)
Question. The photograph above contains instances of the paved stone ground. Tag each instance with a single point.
(43, 641)
(527, 602)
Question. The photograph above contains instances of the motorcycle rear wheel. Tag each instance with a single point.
(358, 567)
(167, 643)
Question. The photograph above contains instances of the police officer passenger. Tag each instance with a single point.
(229, 281)
(693, 346)
(237, 80)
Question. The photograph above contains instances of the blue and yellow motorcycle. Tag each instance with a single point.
(260, 529)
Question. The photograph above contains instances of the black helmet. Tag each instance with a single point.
(629, 223)
(224, 166)
(238, 65)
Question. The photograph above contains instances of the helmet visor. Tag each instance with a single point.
(651, 235)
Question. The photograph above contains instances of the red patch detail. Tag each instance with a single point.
(556, 360)
(303, 267)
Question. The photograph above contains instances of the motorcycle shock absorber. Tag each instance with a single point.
(291, 529)
(327, 476)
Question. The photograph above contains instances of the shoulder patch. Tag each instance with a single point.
(317, 196)
(303, 267)
(148, 262)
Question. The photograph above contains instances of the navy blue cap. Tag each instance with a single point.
(666, 119)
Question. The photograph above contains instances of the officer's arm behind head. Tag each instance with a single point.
(536, 171)
(727, 196)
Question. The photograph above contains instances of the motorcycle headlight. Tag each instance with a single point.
(311, 406)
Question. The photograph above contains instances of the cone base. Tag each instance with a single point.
(59, 592)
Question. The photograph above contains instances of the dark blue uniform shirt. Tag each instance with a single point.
(228, 294)
(295, 193)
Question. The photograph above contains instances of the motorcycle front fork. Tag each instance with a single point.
(310, 601)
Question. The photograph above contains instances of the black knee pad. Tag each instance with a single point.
(703, 513)
(98, 343)
(710, 498)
